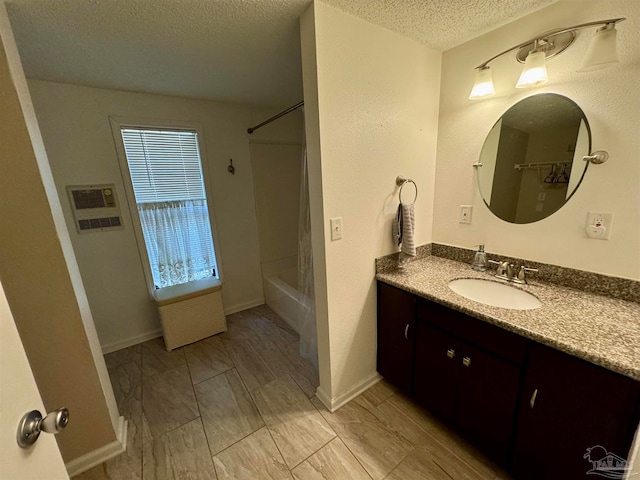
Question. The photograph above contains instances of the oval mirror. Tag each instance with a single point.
(531, 161)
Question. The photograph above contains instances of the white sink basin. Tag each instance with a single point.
(494, 294)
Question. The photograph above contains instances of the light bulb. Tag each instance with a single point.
(483, 86)
(534, 72)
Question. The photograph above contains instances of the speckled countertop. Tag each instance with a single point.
(602, 330)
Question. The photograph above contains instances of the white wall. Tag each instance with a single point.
(611, 102)
(77, 135)
(376, 114)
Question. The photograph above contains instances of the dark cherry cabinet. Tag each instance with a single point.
(487, 398)
(568, 406)
(532, 408)
(396, 334)
(473, 390)
(438, 357)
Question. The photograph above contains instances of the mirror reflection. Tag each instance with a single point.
(531, 161)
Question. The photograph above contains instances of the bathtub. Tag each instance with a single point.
(282, 295)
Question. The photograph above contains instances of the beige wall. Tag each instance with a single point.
(376, 118)
(611, 103)
(40, 275)
(276, 182)
(77, 134)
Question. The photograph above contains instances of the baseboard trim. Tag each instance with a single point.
(244, 306)
(102, 454)
(129, 342)
(338, 401)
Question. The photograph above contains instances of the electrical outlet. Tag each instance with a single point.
(465, 213)
(336, 228)
(599, 225)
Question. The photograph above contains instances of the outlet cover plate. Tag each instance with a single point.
(595, 222)
(465, 213)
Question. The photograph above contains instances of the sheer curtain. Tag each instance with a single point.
(307, 315)
(178, 239)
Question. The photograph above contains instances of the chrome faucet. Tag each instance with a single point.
(506, 271)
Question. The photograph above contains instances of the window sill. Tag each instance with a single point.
(184, 291)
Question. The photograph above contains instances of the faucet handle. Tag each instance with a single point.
(501, 267)
(522, 273)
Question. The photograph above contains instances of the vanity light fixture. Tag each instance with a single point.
(602, 52)
(483, 86)
(534, 72)
(534, 52)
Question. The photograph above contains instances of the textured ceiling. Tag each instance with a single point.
(243, 50)
(235, 50)
(440, 24)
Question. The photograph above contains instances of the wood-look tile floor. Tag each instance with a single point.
(241, 406)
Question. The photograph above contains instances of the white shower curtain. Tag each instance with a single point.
(307, 315)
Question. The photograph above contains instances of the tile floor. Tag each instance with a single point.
(241, 405)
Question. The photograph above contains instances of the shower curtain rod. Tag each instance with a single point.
(275, 117)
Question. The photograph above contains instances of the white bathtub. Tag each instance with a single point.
(282, 296)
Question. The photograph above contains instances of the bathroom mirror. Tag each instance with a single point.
(531, 161)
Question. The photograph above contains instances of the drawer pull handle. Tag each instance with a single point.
(406, 332)
(532, 402)
(466, 361)
(451, 353)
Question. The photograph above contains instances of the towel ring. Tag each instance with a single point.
(401, 182)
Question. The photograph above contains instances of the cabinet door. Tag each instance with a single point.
(437, 363)
(487, 400)
(396, 334)
(568, 406)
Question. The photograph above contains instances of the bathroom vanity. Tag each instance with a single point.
(533, 389)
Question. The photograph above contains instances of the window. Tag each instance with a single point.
(168, 185)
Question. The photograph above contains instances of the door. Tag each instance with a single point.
(18, 395)
(567, 408)
(396, 325)
(487, 400)
(438, 357)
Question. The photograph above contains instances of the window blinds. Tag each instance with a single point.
(168, 186)
(164, 164)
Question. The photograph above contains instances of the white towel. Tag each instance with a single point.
(408, 225)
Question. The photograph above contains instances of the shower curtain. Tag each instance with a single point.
(307, 314)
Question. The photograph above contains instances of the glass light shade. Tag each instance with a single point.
(483, 86)
(534, 72)
(602, 52)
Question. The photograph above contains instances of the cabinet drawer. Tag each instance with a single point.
(493, 339)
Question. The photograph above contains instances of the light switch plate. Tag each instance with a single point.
(599, 225)
(465, 213)
(336, 228)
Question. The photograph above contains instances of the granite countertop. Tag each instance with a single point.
(602, 330)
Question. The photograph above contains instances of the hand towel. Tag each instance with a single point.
(408, 225)
(396, 227)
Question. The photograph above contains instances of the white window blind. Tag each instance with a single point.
(164, 164)
(168, 185)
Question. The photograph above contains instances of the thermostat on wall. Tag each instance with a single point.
(95, 207)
